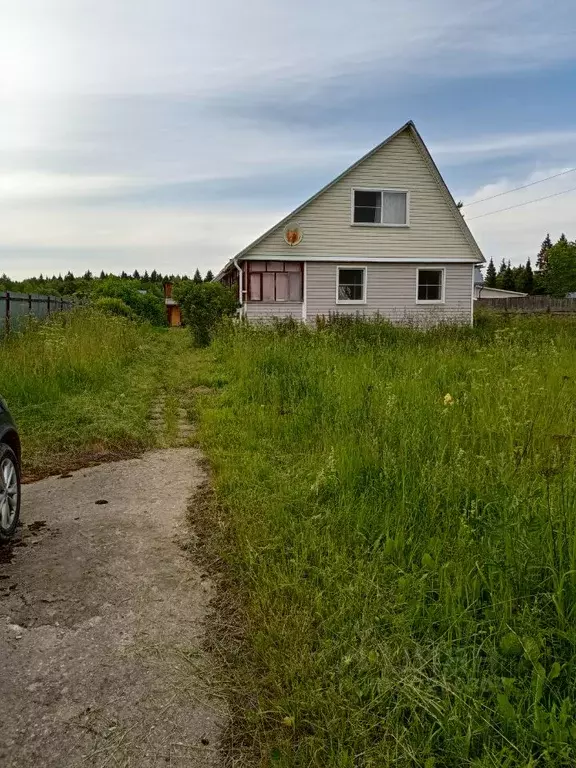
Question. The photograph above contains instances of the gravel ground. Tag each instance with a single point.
(102, 622)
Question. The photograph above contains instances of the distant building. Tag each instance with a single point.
(172, 307)
(482, 291)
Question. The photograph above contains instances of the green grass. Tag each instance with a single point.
(82, 385)
(401, 512)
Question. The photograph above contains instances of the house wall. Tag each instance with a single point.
(260, 310)
(391, 292)
(326, 222)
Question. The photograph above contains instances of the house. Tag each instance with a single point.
(173, 313)
(483, 291)
(383, 238)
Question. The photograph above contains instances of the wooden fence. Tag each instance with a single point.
(530, 305)
(15, 308)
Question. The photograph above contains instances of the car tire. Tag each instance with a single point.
(9, 495)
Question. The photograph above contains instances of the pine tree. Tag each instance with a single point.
(136, 275)
(124, 275)
(146, 277)
(508, 278)
(500, 275)
(542, 258)
(154, 276)
(563, 240)
(528, 286)
(102, 275)
(490, 280)
(209, 276)
(197, 277)
(87, 275)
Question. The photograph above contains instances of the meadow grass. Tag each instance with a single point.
(402, 527)
(81, 387)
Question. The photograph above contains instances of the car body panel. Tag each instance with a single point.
(8, 431)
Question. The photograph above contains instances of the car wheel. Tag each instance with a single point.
(9, 492)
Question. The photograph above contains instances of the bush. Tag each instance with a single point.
(112, 306)
(203, 306)
(146, 306)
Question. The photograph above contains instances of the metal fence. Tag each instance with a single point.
(530, 305)
(15, 308)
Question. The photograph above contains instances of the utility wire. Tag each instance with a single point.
(519, 205)
(524, 186)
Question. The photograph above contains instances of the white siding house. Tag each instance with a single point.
(385, 237)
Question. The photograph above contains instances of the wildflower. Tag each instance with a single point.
(448, 399)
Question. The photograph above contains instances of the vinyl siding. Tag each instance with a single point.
(260, 310)
(391, 292)
(326, 221)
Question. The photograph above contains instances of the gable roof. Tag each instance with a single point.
(427, 157)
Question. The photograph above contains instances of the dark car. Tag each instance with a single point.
(9, 474)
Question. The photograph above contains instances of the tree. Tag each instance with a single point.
(154, 276)
(197, 277)
(124, 275)
(102, 275)
(508, 278)
(560, 277)
(500, 275)
(528, 283)
(203, 306)
(209, 276)
(542, 258)
(87, 275)
(136, 275)
(490, 280)
(146, 277)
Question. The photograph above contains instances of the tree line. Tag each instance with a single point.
(86, 284)
(554, 275)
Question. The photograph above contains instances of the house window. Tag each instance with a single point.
(351, 287)
(273, 281)
(380, 207)
(430, 285)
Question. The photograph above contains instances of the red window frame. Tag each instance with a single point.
(255, 270)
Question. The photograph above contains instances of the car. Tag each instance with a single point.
(10, 463)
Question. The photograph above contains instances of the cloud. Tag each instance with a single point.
(38, 186)
(517, 234)
(502, 145)
(178, 47)
(182, 130)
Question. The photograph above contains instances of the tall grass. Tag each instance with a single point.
(402, 511)
(79, 382)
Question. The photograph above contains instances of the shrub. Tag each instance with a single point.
(203, 306)
(112, 306)
(146, 306)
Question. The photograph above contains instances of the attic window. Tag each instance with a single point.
(380, 207)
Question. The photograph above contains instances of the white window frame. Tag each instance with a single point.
(374, 224)
(431, 268)
(364, 285)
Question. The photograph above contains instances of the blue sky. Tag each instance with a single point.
(167, 135)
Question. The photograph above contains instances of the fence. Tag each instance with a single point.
(16, 307)
(530, 305)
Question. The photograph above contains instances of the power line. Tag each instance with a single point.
(519, 205)
(524, 186)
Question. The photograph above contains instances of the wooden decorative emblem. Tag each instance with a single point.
(293, 234)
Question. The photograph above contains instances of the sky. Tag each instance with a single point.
(168, 134)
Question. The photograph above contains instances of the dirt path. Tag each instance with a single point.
(102, 619)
